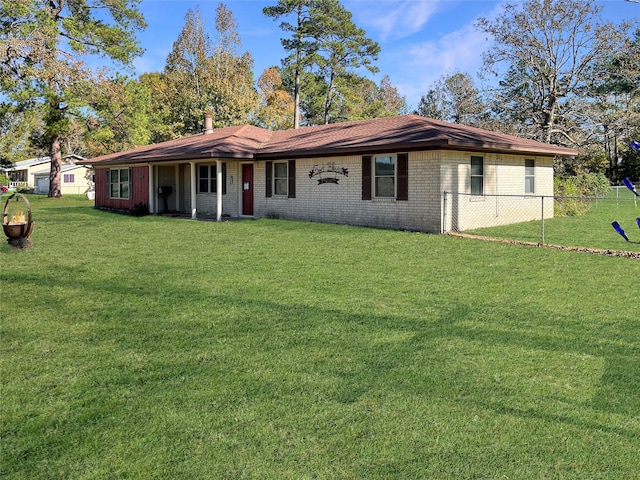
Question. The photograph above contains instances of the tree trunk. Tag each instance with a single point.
(55, 190)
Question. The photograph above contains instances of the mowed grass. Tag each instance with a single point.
(591, 230)
(165, 348)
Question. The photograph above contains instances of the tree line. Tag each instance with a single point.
(556, 73)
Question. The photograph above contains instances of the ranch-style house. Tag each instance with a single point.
(387, 173)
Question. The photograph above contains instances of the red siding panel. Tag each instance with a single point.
(139, 189)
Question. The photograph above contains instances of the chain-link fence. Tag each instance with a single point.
(542, 219)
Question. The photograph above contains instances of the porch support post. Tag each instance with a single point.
(178, 192)
(218, 190)
(152, 190)
(193, 189)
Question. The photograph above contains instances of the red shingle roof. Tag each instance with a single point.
(401, 133)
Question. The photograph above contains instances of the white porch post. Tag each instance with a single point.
(178, 192)
(218, 190)
(193, 189)
(152, 190)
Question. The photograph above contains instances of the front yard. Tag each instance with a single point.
(166, 348)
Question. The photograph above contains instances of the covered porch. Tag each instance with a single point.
(214, 189)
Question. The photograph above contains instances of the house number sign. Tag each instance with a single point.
(328, 173)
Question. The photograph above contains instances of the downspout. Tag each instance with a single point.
(218, 190)
(193, 189)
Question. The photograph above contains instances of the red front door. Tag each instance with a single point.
(247, 189)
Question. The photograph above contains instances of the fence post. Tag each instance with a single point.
(542, 223)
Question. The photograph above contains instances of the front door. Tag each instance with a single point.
(247, 189)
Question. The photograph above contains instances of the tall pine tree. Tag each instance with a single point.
(43, 58)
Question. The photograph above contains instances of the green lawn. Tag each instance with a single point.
(164, 348)
(591, 230)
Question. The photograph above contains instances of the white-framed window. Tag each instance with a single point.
(119, 183)
(529, 176)
(281, 178)
(477, 175)
(385, 176)
(69, 178)
(207, 179)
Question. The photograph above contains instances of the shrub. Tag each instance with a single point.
(140, 210)
(571, 192)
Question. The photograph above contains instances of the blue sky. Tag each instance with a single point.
(420, 40)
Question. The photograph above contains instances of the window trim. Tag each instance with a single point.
(271, 180)
(473, 176)
(120, 183)
(401, 177)
(530, 176)
(212, 181)
(284, 179)
(375, 176)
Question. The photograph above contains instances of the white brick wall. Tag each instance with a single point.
(429, 174)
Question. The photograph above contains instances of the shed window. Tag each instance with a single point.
(529, 176)
(477, 175)
(119, 183)
(69, 178)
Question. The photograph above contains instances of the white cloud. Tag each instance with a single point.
(393, 19)
(420, 65)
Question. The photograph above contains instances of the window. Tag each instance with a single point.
(207, 182)
(529, 176)
(69, 178)
(119, 183)
(477, 175)
(280, 178)
(385, 176)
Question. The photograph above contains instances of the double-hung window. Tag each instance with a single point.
(477, 175)
(385, 176)
(119, 183)
(207, 180)
(529, 176)
(280, 178)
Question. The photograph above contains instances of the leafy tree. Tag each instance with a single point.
(548, 46)
(162, 126)
(188, 77)
(615, 109)
(235, 95)
(121, 119)
(275, 109)
(206, 77)
(16, 126)
(43, 53)
(359, 98)
(431, 104)
(453, 98)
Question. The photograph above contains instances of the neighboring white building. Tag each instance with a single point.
(23, 174)
(74, 179)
